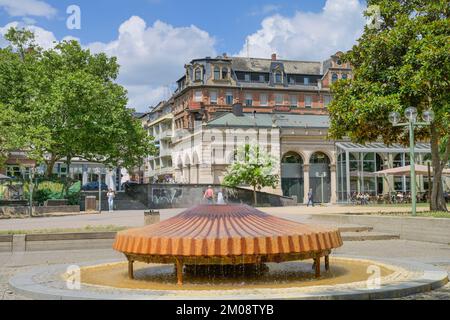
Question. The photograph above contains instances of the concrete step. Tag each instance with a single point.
(368, 236)
(355, 228)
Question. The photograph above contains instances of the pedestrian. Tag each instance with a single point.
(310, 198)
(209, 195)
(220, 199)
(111, 196)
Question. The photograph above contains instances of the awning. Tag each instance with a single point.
(421, 170)
(381, 147)
(3, 177)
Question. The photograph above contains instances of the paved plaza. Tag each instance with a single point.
(134, 218)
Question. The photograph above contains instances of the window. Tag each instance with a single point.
(306, 81)
(225, 73)
(229, 98)
(198, 96)
(216, 73)
(326, 100)
(293, 101)
(262, 78)
(291, 80)
(264, 101)
(198, 74)
(213, 97)
(16, 171)
(248, 99)
(344, 76)
(247, 77)
(278, 77)
(278, 99)
(308, 101)
(334, 77)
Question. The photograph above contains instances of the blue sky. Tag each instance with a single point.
(153, 39)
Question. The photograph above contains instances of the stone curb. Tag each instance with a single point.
(28, 284)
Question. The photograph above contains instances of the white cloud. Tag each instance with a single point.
(46, 39)
(307, 35)
(152, 57)
(20, 8)
(266, 9)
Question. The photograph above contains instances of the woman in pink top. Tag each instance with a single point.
(209, 195)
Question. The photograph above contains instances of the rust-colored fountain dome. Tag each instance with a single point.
(226, 234)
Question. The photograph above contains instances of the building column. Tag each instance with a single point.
(305, 182)
(333, 198)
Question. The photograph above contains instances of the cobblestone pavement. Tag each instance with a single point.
(436, 254)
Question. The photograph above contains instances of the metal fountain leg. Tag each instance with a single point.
(317, 266)
(179, 270)
(130, 269)
(327, 263)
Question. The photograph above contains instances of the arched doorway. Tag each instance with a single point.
(292, 176)
(320, 177)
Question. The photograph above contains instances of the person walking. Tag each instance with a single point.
(209, 195)
(220, 199)
(310, 198)
(111, 196)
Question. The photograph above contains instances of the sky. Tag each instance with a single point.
(154, 39)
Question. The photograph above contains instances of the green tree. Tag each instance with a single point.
(71, 95)
(252, 167)
(403, 63)
(21, 126)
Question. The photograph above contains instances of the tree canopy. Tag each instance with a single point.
(405, 62)
(252, 167)
(63, 103)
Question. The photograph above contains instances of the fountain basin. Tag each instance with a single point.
(226, 235)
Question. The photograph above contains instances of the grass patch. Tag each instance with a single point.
(427, 214)
(87, 229)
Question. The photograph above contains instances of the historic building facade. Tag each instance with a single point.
(281, 105)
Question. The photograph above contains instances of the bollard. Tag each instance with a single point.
(151, 217)
(90, 203)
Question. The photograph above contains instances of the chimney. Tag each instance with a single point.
(238, 110)
(274, 57)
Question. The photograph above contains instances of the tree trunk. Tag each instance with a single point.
(437, 201)
(255, 198)
(50, 164)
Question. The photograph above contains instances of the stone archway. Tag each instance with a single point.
(292, 179)
(320, 177)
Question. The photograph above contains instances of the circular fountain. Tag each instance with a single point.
(217, 236)
(229, 252)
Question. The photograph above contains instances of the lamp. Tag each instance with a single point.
(411, 114)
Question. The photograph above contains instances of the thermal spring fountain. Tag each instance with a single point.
(226, 239)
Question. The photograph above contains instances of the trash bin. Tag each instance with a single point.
(90, 203)
(151, 217)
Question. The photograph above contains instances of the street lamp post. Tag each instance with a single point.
(411, 116)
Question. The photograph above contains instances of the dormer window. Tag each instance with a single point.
(334, 77)
(198, 74)
(225, 73)
(216, 73)
(278, 77)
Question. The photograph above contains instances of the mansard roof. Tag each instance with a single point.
(271, 120)
(266, 65)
